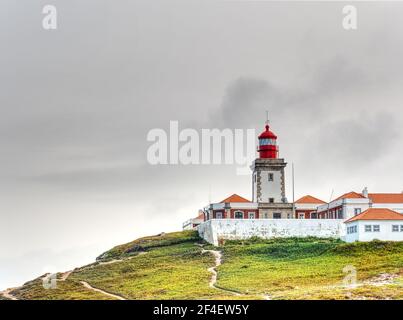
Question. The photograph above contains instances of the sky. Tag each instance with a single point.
(78, 102)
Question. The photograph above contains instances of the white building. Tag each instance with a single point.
(353, 203)
(375, 223)
(346, 206)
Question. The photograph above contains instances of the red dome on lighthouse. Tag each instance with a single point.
(267, 134)
(268, 144)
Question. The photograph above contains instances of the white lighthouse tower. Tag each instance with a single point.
(268, 179)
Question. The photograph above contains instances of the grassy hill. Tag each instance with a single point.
(172, 266)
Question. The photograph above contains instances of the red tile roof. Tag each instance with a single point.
(201, 215)
(235, 198)
(350, 195)
(309, 199)
(386, 197)
(377, 214)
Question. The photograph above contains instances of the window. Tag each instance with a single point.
(218, 215)
(251, 215)
(340, 214)
(271, 200)
(277, 215)
(314, 215)
(265, 142)
(301, 216)
(395, 228)
(368, 228)
(265, 215)
(254, 176)
(270, 176)
(238, 215)
(352, 229)
(357, 211)
(376, 227)
(289, 215)
(401, 228)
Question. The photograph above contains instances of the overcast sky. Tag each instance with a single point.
(77, 104)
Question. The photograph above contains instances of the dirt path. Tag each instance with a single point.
(65, 275)
(88, 286)
(218, 256)
(101, 263)
(377, 281)
(6, 294)
(213, 270)
(381, 279)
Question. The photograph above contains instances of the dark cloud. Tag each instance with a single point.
(246, 99)
(355, 143)
(245, 103)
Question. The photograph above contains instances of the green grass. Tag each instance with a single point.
(171, 266)
(178, 271)
(306, 268)
(148, 243)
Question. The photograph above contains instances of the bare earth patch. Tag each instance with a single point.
(382, 279)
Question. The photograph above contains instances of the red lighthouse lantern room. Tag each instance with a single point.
(268, 144)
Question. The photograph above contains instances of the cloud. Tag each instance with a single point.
(245, 102)
(338, 76)
(247, 98)
(354, 142)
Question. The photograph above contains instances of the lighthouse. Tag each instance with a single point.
(268, 178)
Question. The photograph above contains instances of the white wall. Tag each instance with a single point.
(269, 189)
(351, 237)
(306, 206)
(348, 208)
(243, 205)
(385, 232)
(237, 229)
(240, 205)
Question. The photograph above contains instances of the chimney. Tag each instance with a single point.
(365, 192)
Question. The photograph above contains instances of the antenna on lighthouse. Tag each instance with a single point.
(267, 117)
